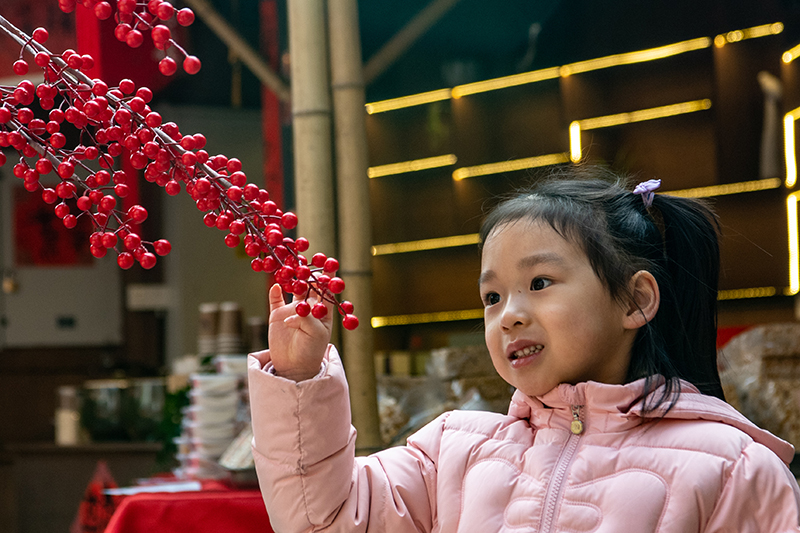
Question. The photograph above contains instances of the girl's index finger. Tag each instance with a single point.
(275, 298)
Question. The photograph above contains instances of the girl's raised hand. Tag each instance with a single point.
(297, 344)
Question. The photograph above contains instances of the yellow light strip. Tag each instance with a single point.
(791, 54)
(741, 294)
(735, 36)
(644, 114)
(636, 57)
(426, 244)
(575, 148)
(412, 166)
(728, 188)
(426, 318)
(789, 152)
(510, 166)
(794, 245)
(408, 101)
(506, 81)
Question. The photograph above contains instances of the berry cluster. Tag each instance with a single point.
(116, 122)
(135, 19)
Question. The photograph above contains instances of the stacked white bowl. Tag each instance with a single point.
(209, 422)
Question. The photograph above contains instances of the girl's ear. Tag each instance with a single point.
(645, 300)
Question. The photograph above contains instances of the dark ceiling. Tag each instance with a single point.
(481, 39)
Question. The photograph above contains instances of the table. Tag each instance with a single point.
(231, 511)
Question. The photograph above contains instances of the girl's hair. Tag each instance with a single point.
(676, 240)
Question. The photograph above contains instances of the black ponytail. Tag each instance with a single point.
(675, 239)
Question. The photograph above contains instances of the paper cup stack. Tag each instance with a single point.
(229, 334)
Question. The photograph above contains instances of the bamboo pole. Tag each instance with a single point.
(403, 39)
(239, 47)
(355, 236)
(311, 123)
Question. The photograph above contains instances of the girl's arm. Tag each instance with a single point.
(760, 496)
(304, 444)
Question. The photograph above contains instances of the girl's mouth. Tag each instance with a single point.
(525, 352)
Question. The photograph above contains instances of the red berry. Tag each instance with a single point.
(165, 11)
(137, 213)
(331, 265)
(20, 67)
(147, 260)
(319, 260)
(350, 322)
(40, 35)
(167, 66)
(109, 240)
(153, 119)
(160, 34)
(43, 166)
(336, 285)
(302, 308)
(289, 220)
(185, 16)
(231, 240)
(66, 170)
(234, 193)
(270, 264)
(127, 86)
(257, 265)
(172, 188)
(108, 203)
(98, 251)
(162, 246)
(125, 260)
(84, 203)
(132, 241)
(347, 307)
(319, 310)
(252, 249)
(237, 227)
(70, 221)
(102, 10)
(210, 220)
(49, 196)
(41, 59)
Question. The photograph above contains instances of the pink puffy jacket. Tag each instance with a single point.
(704, 467)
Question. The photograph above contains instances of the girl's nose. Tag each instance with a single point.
(515, 313)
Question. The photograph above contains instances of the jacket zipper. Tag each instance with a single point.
(555, 488)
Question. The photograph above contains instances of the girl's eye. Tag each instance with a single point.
(540, 283)
(491, 298)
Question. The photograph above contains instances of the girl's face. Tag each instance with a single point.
(548, 317)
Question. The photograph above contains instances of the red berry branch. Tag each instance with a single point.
(135, 19)
(117, 122)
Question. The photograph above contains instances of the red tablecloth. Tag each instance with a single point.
(228, 511)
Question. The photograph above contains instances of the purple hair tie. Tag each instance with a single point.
(647, 190)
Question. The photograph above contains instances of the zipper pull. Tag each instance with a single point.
(577, 426)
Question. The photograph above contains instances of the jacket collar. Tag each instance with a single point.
(615, 408)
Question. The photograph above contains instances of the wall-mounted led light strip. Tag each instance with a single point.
(626, 118)
(426, 318)
(412, 166)
(426, 244)
(509, 166)
(506, 81)
(534, 76)
(742, 294)
(640, 56)
(728, 188)
(794, 244)
(408, 101)
(749, 33)
(789, 152)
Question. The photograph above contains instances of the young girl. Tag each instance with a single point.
(600, 308)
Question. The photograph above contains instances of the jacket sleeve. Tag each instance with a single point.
(304, 451)
(760, 496)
